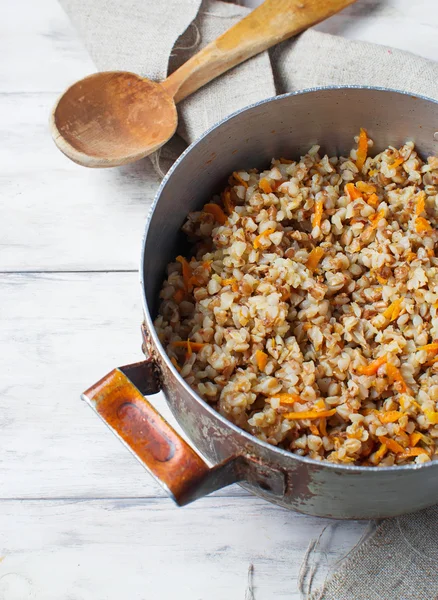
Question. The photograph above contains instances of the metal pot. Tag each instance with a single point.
(284, 126)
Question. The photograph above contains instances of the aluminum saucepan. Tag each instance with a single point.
(287, 125)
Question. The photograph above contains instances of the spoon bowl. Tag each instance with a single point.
(113, 118)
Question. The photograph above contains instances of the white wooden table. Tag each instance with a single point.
(79, 518)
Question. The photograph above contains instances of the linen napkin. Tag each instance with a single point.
(397, 562)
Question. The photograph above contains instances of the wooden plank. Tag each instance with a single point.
(145, 550)
(61, 216)
(59, 333)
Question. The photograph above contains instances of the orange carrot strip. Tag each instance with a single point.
(391, 444)
(414, 438)
(422, 224)
(239, 179)
(379, 454)
(179, 295)
(314, 257)
(411, 452)
(372, 367)
(366, 188)
(289, 398)
(319, 207)
(189, 349)
(390, 417)
(186, 272)
(265, 186)
(393, 311)
(411, 256)
(396, 163)
(395, 376)
(217, 212)
(266, 233)
(286, 161)
(229, 281)
(362, 149)
(323, 427)
(374, 219)
(352, 191)
(373, 200)
(421, 204)
(309, 414)
(175, 364)
(261, 359)
(429, 347)
(432, 416)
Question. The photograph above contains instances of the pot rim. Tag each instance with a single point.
(151, 329)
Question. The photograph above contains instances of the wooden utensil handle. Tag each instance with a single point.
(267, 25)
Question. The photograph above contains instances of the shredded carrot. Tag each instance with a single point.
(421, 204)
(381, 280)
(414, 438)
(432, 416)
(422, 224)
(352, 191)
(379, 454)
(366, 188)
(319, 207)
(372, 367)
(323, 427)
(376, 218)
(175, 364)
(372, 172)
(289, 398)
(191, 346)
(396, 163)
(217, 212)
(391, 444)
(362, 149)
(309, 414)
(265, 186)
(262, 359)
(179, 295)
(314, 257)
(265, 234)
(226, 199)
(207, 264)
(286, 161)
(373, 200)
(411, 256)
(239, 179)
(314, 429)
(431, 362)
(395, 376)
(429, 347)
(411, 452)
(186, 272)
(390, 417)
(229, 281)
(189, 349)
(393, 311)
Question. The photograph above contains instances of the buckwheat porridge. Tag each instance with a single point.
(308, 312)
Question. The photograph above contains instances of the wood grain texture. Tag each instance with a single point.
(147, 549)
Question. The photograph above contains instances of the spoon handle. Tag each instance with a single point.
(267, 25)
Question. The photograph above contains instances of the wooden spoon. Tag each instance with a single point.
(113, 118)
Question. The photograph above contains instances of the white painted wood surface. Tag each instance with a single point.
(79, 519)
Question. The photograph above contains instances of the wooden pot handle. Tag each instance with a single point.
(267, 25)
(119, 400)
(185, 476)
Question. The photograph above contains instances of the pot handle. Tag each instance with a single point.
(118, 399)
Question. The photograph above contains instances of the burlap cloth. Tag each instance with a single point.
(398, 561)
